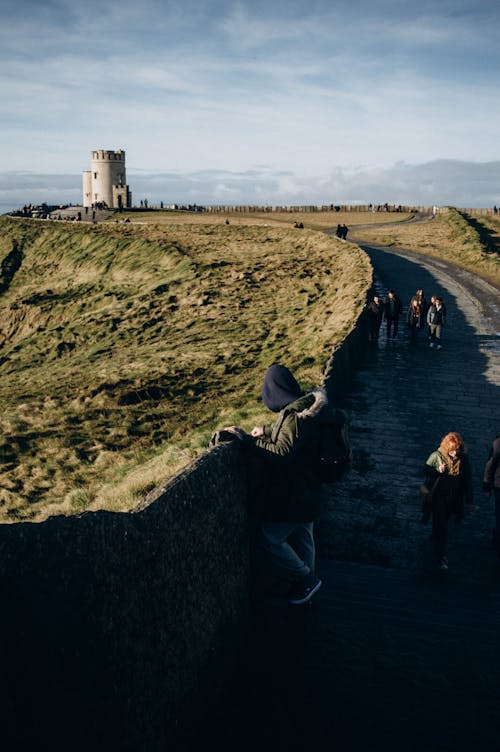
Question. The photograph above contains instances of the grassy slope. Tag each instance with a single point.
(449, 236)
(123, 347)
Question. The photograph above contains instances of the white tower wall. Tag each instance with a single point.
(87, 188)
(108, 170)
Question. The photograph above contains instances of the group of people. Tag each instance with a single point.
(388, 310)
(420, 315)
(286, 494)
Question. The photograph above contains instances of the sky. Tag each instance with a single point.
(253, 101)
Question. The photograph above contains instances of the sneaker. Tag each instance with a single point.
(443, 564)
(431, 344)
(304, 589)
(440, 347)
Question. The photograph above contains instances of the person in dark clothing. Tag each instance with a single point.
(374, 312)
(448, 476)
(414, 319)
(436, 317)
(392, 311)
(288, 496)
(491, 482)
(423, 305)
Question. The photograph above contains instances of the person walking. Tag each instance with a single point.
(392, 311)
(414, 319)
(436, 318)
(374, 312)
(449, 480)
(431, 303)
(422, 302)
(491, 482)
(288, 496)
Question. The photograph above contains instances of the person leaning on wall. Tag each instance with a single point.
(287, 498)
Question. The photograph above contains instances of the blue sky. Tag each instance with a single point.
(253, 102)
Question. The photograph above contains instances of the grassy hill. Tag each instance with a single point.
(123, 346)
(470, 242)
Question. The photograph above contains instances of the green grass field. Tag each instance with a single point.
(123, 346)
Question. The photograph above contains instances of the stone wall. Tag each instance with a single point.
(119, 629)
(112, 623)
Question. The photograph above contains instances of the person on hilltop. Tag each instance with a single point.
(491, 482)
(393, 309)
(449, 480)
(288, 496)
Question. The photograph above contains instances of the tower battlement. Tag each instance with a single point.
(104, 155)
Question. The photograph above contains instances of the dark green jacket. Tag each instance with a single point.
(288, 489)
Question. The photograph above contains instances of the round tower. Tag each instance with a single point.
(108, 170)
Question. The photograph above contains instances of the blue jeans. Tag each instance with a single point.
(289, 546)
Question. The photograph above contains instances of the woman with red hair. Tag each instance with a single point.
(449, 478)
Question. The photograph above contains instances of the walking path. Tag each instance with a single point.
(391, 656)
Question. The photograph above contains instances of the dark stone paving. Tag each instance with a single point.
(391, 656)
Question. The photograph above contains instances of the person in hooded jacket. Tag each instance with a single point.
(288, 498)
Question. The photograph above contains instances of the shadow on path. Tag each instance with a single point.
(489, 240)
(390, 656)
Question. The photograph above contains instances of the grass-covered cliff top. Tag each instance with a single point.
(472, 242)
(123, 346)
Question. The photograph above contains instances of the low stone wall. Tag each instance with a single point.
(116, 628)
(112, 623)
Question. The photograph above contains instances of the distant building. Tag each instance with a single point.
(106, 182)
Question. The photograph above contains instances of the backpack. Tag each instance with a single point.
(334, 449)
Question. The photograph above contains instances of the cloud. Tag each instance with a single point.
(191, 86)
(441, 182)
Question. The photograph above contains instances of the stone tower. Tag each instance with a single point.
(106, 182)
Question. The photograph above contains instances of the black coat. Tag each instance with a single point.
(450, 490)
(491, 478)
(392, 309)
